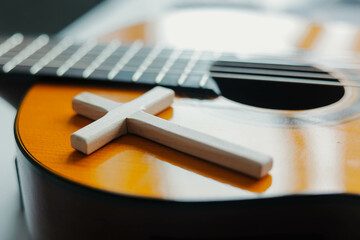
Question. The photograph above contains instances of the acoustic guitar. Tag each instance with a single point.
(306, 116)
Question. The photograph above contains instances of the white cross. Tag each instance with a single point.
(114, 119)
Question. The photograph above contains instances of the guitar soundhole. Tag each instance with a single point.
(258, 85)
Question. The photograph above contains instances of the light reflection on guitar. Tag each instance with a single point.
(134, 182)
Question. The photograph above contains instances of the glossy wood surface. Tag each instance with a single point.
(317, 157)
(314, 151)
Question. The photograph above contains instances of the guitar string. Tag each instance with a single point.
(251, 74)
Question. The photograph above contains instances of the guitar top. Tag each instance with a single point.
(297, 128)
(305, 115)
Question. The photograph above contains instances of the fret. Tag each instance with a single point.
(170, 80)
(106, 66)
(135, 62)
(129, 69)
(158, 63)
(110, 49)
(54, 63)
(205, 65)
(156, 70)
(82, 51)
(74, 47)
(119, 52)
(194, 58)
(147, 78)
(45, 49)
(148, 60)
(143, 52)
(81, 65)
(18, 48)
(35, 45)
(210, 84)
(192, 80)
(85, 61)
(99, 74)
(148, 70)
(180, 63)
(166, 53)
(51, 55)
(29, 62)
(90, 56)
(174, 55)
(111, 61)
(145, 65)
(48, 71)
(135, 47)
(204, 79)
(74, 72)
(97, 49)
(123, 76)
(64, 56)
(224, 69)
(10, 43)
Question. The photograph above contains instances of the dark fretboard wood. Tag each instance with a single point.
(138, 64)
(114, 61)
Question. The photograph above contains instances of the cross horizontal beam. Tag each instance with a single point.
(172, 135)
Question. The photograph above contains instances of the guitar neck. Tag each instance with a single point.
(115, 61)
(135, 63)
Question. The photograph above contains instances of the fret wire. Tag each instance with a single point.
(206, 76)
(54, 63)
(134, 69)
(204, 79)
(146, 63)
(35, 56)
(174, 55)
(64, 53)
(35, 45)
(51, 55)
(105, 54)
(133, 49)
(30, 53)
(194, 58)
(76, 57)
(152, 70)
(10, 43)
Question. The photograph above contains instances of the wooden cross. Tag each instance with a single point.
(114, 119)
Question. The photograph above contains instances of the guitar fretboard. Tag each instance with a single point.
(138, 64)
(114, 61)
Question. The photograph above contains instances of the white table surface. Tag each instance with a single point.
(12, 224)
(106, 17)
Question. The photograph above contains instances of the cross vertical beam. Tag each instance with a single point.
(135, 117)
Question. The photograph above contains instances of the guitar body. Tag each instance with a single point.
(133, 188)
